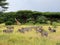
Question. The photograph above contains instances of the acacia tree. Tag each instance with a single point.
(35, 16)
(3, 6)
(52, 16)
(23, 16)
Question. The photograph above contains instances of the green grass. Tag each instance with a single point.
(17, 39)
(29, 38)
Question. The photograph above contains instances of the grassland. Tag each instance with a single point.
(29, 38)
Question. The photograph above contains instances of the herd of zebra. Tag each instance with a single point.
(38, 29)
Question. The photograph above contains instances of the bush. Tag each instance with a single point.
(42, 19)
(8, 23)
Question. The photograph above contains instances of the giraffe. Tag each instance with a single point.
(17, 22)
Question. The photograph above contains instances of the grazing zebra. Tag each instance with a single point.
(44, 33)
(51, 30)
(8, 31)
(27, 29)
(21, 30)
(39, 29)
(10, 27)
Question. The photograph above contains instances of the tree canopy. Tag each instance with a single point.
(3, 4)
(28, 16)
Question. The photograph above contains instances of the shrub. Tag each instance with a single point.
(8, 23)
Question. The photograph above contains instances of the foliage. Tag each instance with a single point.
(8, 23)
(25, 16)
(42, 19)
(3, 4)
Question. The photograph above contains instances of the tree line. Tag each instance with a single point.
(28, 16)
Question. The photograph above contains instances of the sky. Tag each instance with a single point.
(35, 5)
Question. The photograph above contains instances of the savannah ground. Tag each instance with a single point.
(29, 38)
